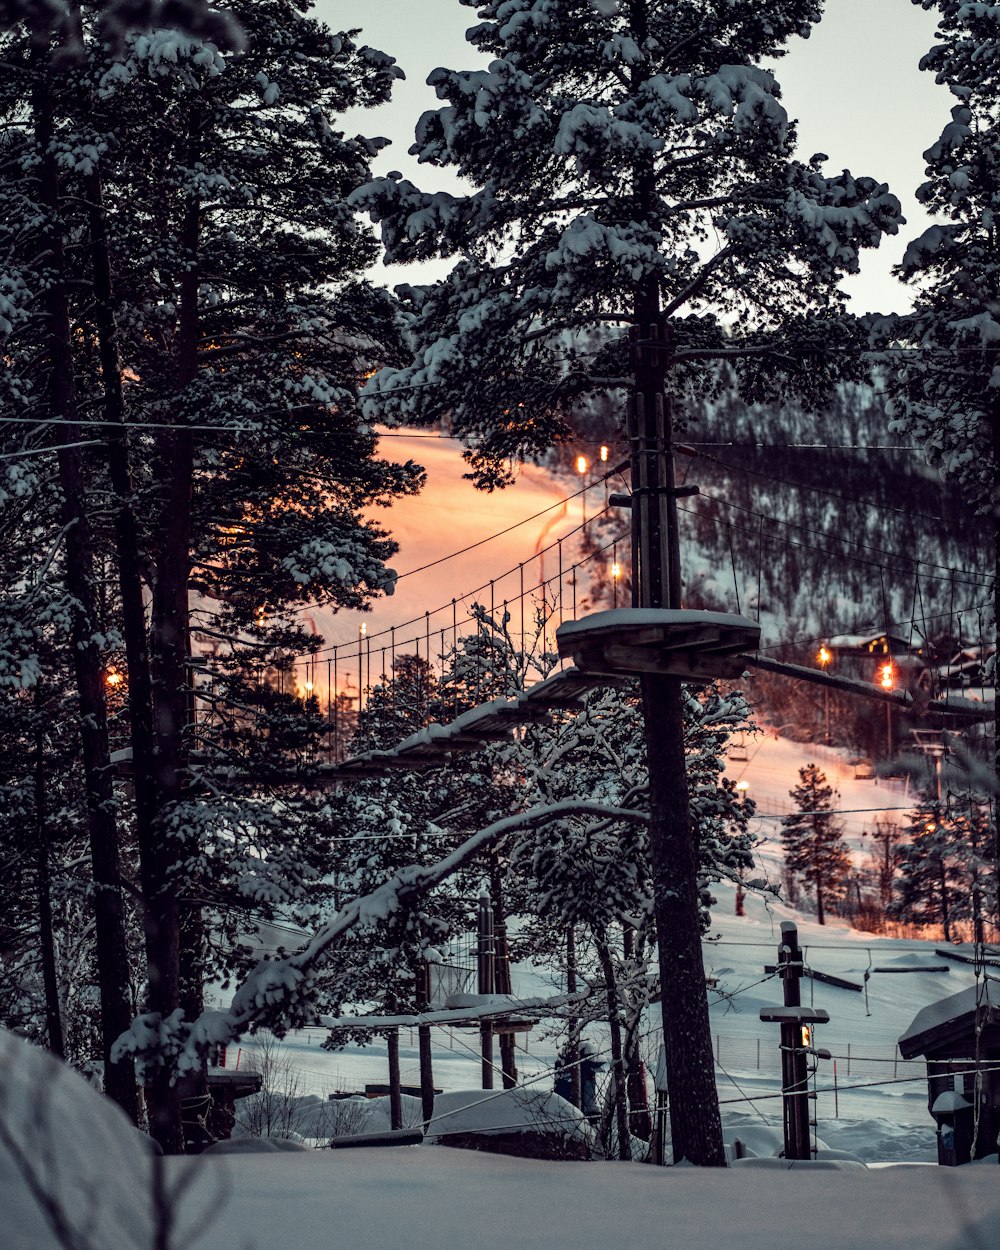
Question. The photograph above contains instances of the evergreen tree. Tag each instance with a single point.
(633, 167)
(815, 850)
(944, 357)
(217, 327)
(946, 874)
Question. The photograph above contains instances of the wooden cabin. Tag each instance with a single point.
(944, 1033)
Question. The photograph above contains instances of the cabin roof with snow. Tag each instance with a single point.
(947, 1028)
(872, 644)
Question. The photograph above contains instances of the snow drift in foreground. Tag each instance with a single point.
(66, 1148)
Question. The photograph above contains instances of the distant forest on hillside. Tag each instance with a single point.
(819, 524)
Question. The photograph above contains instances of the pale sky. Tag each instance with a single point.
(854, 87)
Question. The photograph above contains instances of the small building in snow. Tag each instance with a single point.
(959, 1036)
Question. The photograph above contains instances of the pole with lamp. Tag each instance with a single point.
(824, 655)
(362, 631)
(582, 465)
(887, 680)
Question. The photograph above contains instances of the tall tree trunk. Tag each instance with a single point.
(619, 1086)
(46, 935)
(995, 797)
(501, 973)
(640, 1120)
(127, 546)
(112, 952)
(169, 654)
(695, 1120)
(573, 1044)
(424, 1045)
(395, 1088)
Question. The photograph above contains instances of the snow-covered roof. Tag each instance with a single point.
(520, 1110)
(862, 642)
(949, 1018)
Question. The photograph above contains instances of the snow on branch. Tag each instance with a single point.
(198, 18)
(279, 987)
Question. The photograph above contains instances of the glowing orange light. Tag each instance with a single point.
(824, 655)
(887, 678)
(604, 454)
(743, 786)
(616, 570)
(363, 629)
(113, 677)
(806, 1035)
(308, 685)
(581, 464)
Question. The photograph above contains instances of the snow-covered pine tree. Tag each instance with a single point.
(241, 329)
(58, 18)
(815, 850)
(945, 865)
(944, 376)
(632, 166)
(594, 877)
(945, 385)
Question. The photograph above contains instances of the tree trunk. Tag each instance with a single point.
(112, 953)
(46, 937)
(169, 653)
(395, 1091)
(640, 1120)
(619, 1087)
(696, 1123)
(573, 1044)
(424, 1046)
(501, 970)
(127, 549)
(945, 915)
(995, 800)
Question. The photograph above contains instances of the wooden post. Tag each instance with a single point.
(573, 1047)
(395, 1093)
(485, 968)
(424, 1046)
(794, 1074)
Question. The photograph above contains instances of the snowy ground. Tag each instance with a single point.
(424, 1197)
(869, 1101)
(90, 1174)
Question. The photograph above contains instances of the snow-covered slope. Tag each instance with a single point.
(869, 1101)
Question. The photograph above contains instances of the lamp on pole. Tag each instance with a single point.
(887, 680)
(582, 465)
(824, 655)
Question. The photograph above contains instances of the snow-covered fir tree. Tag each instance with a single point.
(815, 850)
(217, 326)
(633, 166)
(946, 383)
(946, 871)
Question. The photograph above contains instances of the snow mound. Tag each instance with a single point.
(520, 1110)
(67, 1153)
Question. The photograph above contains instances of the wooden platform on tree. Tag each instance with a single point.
(695, 646)
(435, 744)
